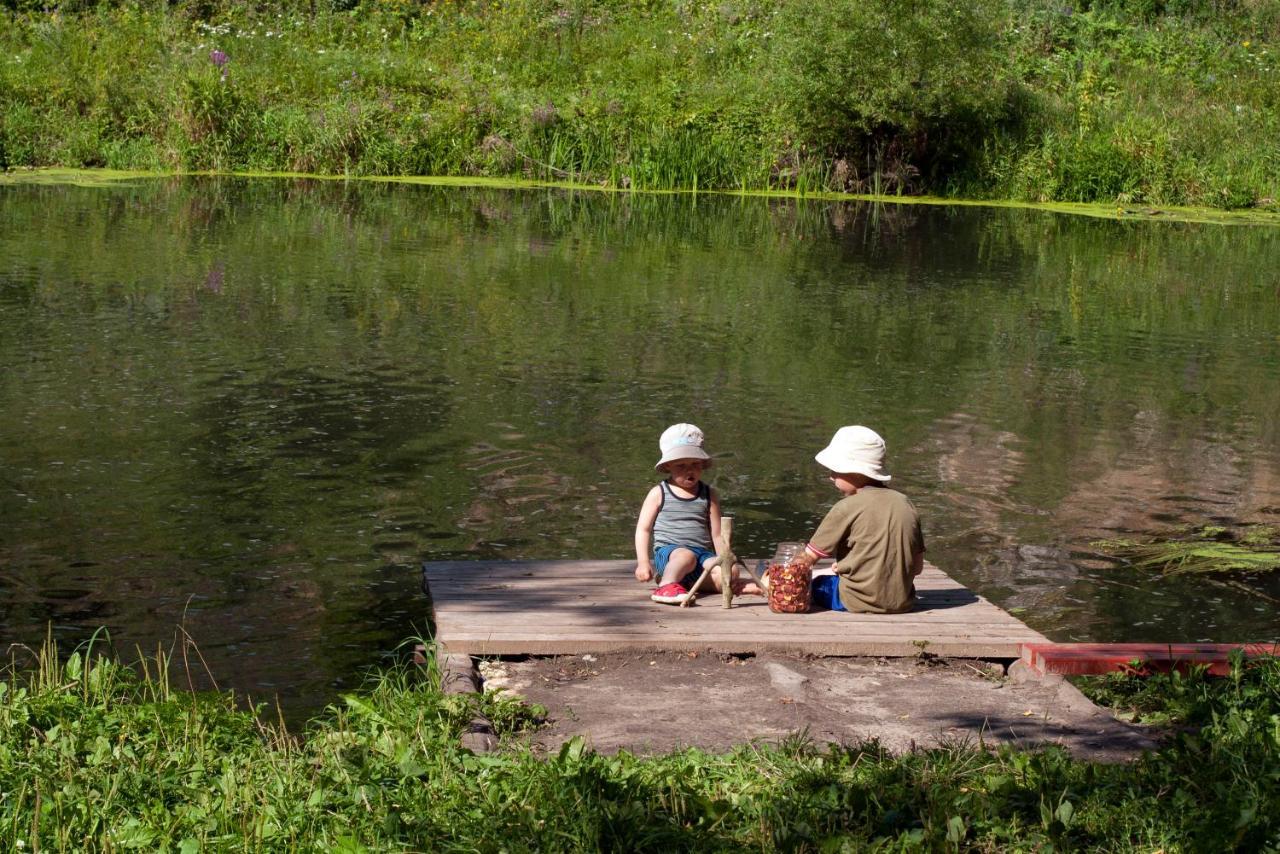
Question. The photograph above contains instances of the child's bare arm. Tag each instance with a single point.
(644, 534)
(833, 529)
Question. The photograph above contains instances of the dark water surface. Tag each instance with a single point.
(251, 408)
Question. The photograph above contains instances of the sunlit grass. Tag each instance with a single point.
(94, 756)
(1099, 106)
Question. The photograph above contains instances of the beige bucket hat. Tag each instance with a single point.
(855, 450)
(681, 442)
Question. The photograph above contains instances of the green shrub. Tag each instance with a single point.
(20, 135)
(918, 81)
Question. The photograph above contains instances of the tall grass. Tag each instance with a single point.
(94, 756)
(1151, 103)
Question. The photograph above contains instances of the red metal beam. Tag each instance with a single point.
(1078, 659)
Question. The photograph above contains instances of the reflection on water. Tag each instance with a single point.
(250, 408)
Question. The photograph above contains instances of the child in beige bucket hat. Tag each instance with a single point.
(679, 521)
(873, 532)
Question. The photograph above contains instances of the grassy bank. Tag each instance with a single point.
(1133, 103)
(94, 757)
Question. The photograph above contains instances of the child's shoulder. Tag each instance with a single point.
(665, 485)
(885, 496)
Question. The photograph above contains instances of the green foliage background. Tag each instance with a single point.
(1165, 103)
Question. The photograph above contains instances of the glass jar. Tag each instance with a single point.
(788, 581)
(786, 552)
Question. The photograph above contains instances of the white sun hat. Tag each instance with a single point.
(855, 450)
(681, 442)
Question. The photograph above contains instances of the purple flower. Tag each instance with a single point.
(214, 280)
(218, 58)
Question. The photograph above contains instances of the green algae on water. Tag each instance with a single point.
(1205, 549)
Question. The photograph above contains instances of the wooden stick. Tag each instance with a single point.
(726, 559)
(697, 585)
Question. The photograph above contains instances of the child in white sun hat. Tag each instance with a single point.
(679, 521)
(873, 532)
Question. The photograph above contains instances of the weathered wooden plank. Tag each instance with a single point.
(625, 640)
(640, 598)
(519, 568)
(843, 624)
(627, 582)
(591, 642)
(824, 622)
(900, 648)
(602, 570)
(795, 629)
(526, 601)
(557, 607)
(620, 586)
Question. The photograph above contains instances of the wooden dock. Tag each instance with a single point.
(550, 607)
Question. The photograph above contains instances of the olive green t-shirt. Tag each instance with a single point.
(872, 534)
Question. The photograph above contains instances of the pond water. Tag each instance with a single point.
(244, 411)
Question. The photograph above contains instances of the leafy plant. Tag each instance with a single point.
(889, 80)
(1109, 102)
(95, 756)
(1206, 549)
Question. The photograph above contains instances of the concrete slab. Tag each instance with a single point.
(654, 702)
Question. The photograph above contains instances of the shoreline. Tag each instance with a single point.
(54, 176)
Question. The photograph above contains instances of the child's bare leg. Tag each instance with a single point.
(678, 566)
(741, 586)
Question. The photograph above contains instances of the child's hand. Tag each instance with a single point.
(644, 572)
(804, 560)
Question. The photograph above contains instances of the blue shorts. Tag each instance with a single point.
(825, 590)
(662, 554)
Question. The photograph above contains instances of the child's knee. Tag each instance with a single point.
(682, 559)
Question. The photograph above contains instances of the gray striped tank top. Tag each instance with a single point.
(684, 521)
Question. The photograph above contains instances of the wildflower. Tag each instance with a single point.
(1246, 42)
(220, 60)
(214, 281)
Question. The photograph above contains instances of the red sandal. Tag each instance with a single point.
(670, 594)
